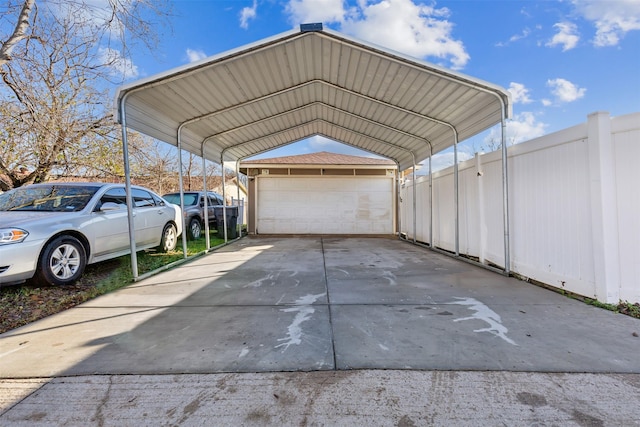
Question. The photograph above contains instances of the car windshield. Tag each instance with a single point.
(47, 198)
(189, 198)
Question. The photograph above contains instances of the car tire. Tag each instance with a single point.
(195, 229)
(169, 239)
(62, 261)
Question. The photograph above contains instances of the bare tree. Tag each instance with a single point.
(57, 68)
(494, 142)
(52, 106)
(153, 161)
(117, 22)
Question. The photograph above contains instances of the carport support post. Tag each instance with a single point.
(127, 180)
(180, 186)
(455, 196)
(414, 202)
(481, 210)
(505, 193)
(224, 200)
(430, 199)
(238, 200)
(398, 201)
(206, 200)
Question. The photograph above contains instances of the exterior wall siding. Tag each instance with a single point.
(574, 202)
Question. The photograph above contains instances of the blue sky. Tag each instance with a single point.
(562, 60)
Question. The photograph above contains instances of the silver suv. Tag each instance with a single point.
(194, 210)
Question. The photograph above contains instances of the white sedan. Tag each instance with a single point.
(52, 231)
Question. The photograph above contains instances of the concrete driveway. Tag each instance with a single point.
(322, 304)
(303, 304)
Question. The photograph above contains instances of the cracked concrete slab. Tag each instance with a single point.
(340, 398)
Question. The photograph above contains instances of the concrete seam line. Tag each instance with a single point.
(326, 287)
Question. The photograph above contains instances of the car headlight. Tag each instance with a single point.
(12, 235)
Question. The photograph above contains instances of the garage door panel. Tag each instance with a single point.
(345, 205)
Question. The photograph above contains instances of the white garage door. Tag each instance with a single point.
(325, 205)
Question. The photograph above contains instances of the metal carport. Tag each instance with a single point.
(309, 82)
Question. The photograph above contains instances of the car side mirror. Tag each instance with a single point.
(110, 206)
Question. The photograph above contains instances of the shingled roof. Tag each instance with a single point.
(321, 158)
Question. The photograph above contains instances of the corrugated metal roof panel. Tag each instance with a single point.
(301, 84)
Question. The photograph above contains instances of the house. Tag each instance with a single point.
(322, 193)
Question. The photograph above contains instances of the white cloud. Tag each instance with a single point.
(248, 13)
(514, 38)
(415, 29)
(567, 36)
(321, 143)
(565, 91)
(118, 65)
(315, 144)
(195, 55)
(523, 127)
(613, 19)
(445, 159)
(525, 33)
(519, 93)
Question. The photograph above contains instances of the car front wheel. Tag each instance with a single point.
(62, 262)
(169, 239)
(195, 229)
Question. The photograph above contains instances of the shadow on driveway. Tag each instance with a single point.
(316, 304)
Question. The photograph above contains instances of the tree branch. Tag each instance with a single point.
(19, 32)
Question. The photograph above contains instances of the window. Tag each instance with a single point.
(50, 198)
(190, 199)
(215, 200)
(157, 200)
(115, 195)
(142, 199)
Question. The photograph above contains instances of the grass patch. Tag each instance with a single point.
(629, 309)
(623, 307)
(26, 303)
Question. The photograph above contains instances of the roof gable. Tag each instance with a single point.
(321, 158)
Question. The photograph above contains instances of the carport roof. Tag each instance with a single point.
(311, 82)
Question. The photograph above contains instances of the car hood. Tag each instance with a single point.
(23, 218)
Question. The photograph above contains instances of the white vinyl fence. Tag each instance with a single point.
(574, 202)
